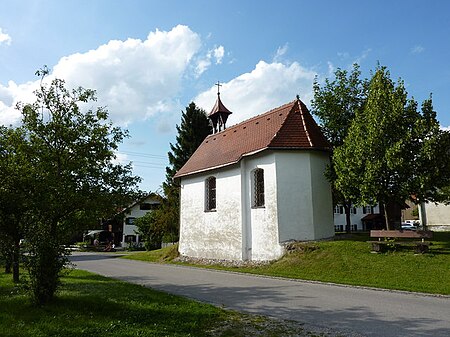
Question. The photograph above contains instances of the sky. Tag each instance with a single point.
(147, 60)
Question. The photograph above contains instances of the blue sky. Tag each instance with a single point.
(149, 59)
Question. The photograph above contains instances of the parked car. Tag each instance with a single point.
(408, 226)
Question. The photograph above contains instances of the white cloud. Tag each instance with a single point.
(417, 49)
(4, 38)
(134, 79)
(202, 66)
(331, 68)
(280, 53)
(205, 62)
(267, 86)
(343, 55)
(219, 52)
(363, 56)
(121, 158)
(10, 95)
(445, 128)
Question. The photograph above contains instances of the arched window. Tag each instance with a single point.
(210, 194)
(258, 188)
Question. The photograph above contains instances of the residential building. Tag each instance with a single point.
(136, 210)
(361, 218)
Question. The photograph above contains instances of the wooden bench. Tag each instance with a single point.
(420, 247)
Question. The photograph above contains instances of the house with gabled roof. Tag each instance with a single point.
(252, 187)
(139, 208)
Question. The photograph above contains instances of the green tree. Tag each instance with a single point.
(192, 131)
(336, 104)
(388, 148)
(75, 180)
(15, 184)
(431, 148)
(150, 229)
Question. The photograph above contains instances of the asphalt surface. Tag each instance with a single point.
(351, 310)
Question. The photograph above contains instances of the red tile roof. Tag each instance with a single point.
(290, 126)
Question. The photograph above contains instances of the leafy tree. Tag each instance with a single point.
(71, 154)
(389, 148)
(192, 131)
(15, 183)
(150, 229)
(431, 148)
(335, 104)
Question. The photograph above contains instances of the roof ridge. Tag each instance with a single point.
(302, 114)
(264, 114)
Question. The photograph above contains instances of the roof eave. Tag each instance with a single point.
(219, 166)
(183, 175)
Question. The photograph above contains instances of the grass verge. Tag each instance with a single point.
(92, 305)
(348, 260)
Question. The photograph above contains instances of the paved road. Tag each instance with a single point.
(363, 311)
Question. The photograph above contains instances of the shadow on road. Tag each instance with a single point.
(93, 256)
(255, 300)
(369, 315)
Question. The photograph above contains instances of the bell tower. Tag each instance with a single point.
(219, 113)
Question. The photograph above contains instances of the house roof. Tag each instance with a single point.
(289, 126)
(372, 216)
(152, 196)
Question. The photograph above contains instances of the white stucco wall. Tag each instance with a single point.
(304, 196)
(261, 222)
(295, 208)
(438, 216)
(135, 212)
(322, 201)
(216, 234)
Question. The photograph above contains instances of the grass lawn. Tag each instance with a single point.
(348, 260)
(92, 305)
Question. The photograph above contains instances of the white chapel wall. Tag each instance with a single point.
(215, 234)
(322, 196)
(301, 202)
(262, 222)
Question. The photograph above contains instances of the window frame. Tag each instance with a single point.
(367, 209)
(210, 194)
(258, 188)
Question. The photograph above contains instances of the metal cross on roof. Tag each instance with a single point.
(218, 87)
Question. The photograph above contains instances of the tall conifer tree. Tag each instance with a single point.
(192, 131)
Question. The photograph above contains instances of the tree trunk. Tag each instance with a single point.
(347, 206)
(422, 215)
(8, 265)
(386, 217)
(15, 262)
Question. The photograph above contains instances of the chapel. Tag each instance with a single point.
(254, 186)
